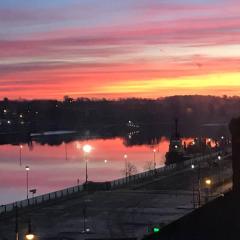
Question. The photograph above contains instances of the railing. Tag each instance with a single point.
(115, 184)
(163, 170)
(41, 199)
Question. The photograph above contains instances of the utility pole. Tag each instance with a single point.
(199, 183)
(16, 223)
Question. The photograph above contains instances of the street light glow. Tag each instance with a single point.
(125, 156)
(87, 148)
(208, 181)
(192, 166)
(27, 168)
(29, 236)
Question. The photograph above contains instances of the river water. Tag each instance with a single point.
(56, 167)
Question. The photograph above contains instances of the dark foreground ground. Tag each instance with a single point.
(219, 219)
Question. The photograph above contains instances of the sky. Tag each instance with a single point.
(118, 49)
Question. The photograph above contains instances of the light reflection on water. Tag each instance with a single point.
(56, 167)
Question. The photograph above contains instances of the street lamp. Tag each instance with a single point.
(86, 149)
(208, 184)
(27, 170)
(16, 223)
(154, 158)
(29, 235)
(126, 165)
(193, 186)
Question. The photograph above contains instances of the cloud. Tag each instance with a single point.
(150, 40)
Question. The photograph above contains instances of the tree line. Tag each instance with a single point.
(75, 114)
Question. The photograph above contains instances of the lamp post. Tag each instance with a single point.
(29, 235)
(27, 170)
(16, 223)
(154, 159)
(219, 157)
(126, 165)
(208, 183)
(86, 150)
(193, 186)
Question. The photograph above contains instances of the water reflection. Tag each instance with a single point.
(59, 166)
(56, 160)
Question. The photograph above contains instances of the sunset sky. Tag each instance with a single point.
(119, 48)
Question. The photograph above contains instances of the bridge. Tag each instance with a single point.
(125, 207)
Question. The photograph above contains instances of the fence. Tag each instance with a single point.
(108, 185)
(41, 199)
(157, 172)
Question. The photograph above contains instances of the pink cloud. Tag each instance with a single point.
(82, 41)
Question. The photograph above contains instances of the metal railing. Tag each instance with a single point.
(41, 199)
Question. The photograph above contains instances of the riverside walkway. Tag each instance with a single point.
(127, 207)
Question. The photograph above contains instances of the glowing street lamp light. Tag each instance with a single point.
(29, 235)
(27, 170)
(208, 182)
(86, 149)
(219, 157)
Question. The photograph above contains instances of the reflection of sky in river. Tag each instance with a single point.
(50, 170)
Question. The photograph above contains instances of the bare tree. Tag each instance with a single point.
(149, 165)
(130, 169)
